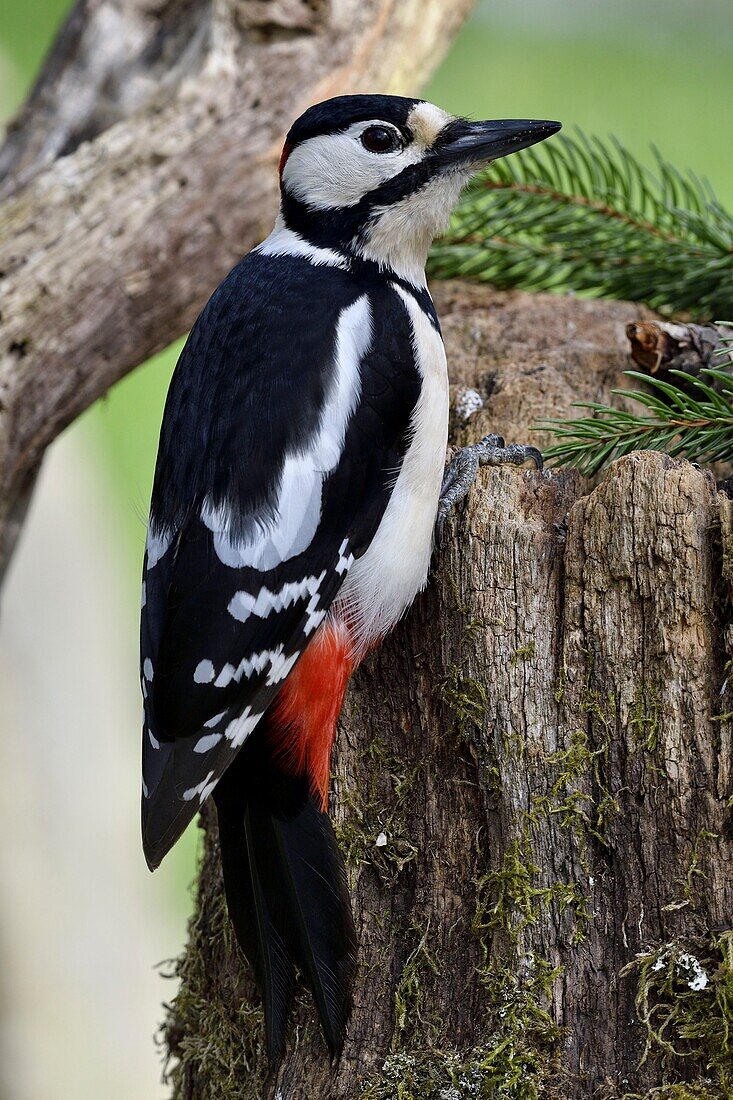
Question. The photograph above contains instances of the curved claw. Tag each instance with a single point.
(461, 472)
(534, 455)
(439, 529)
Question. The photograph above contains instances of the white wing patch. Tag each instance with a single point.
(157, 545)
(298, 510)
(207, 742)
(226, 676)
(202, 789)
(239, 730)
(244, 604)
(346, 560)
(204, 672)
(236, 734)
(212, 722)
(279, 666)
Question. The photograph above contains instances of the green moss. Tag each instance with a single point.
(678, 1092)
(518, 1060)
(644, 718)
(695, 872)
(586, 814)
(573, 761)
(225, 1049)
(582, 811)
(374, 832)
(522, 653)
(465, 698)
(561, 685)
(410, 995)
(458, 603)
(509, 899)
(684, 1000)
(483, 1073)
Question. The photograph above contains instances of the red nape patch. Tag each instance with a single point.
(287, 150)
(308, 705)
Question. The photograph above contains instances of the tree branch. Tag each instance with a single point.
(143, 167)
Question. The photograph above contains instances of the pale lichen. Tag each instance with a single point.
(684, 1000)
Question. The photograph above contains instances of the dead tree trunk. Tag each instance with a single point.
(530, 783)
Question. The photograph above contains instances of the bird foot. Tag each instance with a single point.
(461, 471)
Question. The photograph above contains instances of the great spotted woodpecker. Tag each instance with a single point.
(295, 498)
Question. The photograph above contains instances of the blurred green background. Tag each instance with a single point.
(648, 71)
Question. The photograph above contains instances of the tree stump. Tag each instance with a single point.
(531, 781)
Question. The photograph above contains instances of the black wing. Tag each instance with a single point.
(279, 447)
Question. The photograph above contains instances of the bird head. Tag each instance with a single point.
(378, 176)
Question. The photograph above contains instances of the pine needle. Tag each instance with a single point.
(694, 423)
(580, 214)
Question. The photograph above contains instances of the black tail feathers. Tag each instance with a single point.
(286, 892)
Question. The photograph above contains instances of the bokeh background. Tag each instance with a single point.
(82, 923)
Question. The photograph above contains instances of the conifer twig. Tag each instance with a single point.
(688, 417)
(581, 214)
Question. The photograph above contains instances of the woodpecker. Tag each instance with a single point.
(296, 493)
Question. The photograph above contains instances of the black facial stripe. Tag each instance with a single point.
(335, 226)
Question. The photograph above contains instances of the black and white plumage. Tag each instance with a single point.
(295, 495)
(257, 519)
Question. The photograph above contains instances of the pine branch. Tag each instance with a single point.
(686, 417)
(580, 214)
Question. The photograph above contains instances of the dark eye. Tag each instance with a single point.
(379, 139)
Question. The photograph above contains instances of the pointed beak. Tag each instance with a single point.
(464, 144)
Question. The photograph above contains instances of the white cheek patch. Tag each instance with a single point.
(335, 170)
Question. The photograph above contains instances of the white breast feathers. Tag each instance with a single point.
(385, 580)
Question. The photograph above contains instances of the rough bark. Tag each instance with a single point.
(530, 781)
(143, 167)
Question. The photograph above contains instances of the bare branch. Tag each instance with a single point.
(143, 167)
